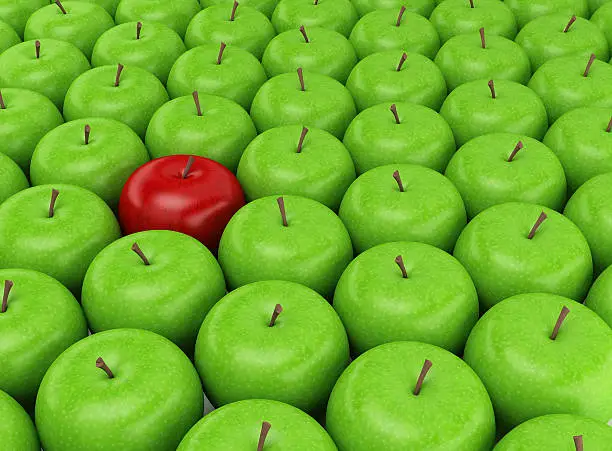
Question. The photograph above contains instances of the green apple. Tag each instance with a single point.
(151, 46)
(417, 135)
(309, 99)
(527, 10)
(396, 76)
(8, 36)
(422, 7)
(13, 178)
(391, 29)
(602, 17)
(481, 107)
(455, 17)
(125, 389)
(599, 298)
(594, 5)
(474, 56)
(57, 230)
(315, 49)
(16, 13)
(265, 6)
(337, 15)
(295, 160)
(514, 248)
(209, 126)
(402, 202)
(130, 95)
(80, 23)
(175, 14)
(47, 66)
(229, 72)
(505, 167)
(109, 5)
(16, 428)
(242, 26)
(540, 354)
(374, 406)
(41, 319)
(97, 154)
(312, 249)
(571, 82)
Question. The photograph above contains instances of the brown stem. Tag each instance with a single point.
(301, 78)
(265, 428)
(100, 363)
(301, 141)
(518, 147)
(398, 179)
(87, 133)
(54, 194)
(400, 15)
(143, 257)
(196, 100)
(221, 50)
(400, 262)
(578, 443)
(37, 46)
(569, 24)
(278, 309)
(588, 66)
(426, 367)
(393, 109)
(492, 89)
(483, 43)
(537, 225)
(190, 161)
(402, 61)
(471, 3)
(283, 212)
(608, 129)
(2, 105)
(560, 319)
(316, 2)
(303, 31)
(8, 284)
(234, 8)
(61, 7)
(138, 29)
(118, 75)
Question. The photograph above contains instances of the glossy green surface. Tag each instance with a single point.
(602, 17)
(16, 13)
(527, 10)
(265, 6)
(422, 7)
(175, 14)
(17, 429)
(599, 298)
(13, 178)
(337, 15)
(109, 5)
(8, 36)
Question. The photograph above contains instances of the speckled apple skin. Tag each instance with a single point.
(503, 261)
(42, 319)
(59, 64)
(527, 10)
(62, 246)
(265, 6)
(17, 429)
(373, 408)
(422, 7)
(175, 14)
(296, 361)
(602, 17)
(151, 403)
(8, 36)
(375, 79)
(109, 5)
(471, 110)
(430, 210)
(337, 15)
(422, 137)
(599, 298)
(16, 14)
(312, 250)
(13, 178)
(527, 374)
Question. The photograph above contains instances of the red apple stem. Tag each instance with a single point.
(518, 147)
(483, 42)
(87, 133)
(143, 257)
(608, 129)
(61, 7)
(400, 15)
(589, 64)
(100, 363)
(234, 8)
(118, 75)
(569, 24)
(578, 443)
(560, 319)
(400, 262)
(54, 194)
(301, 141)
(300, 73)
(426, 367)
(8, 284)
(278, 309)
(283, 212)
(2, 105)
(221, 50)
(190, 161)
(37, 46)
(138, 29)
(393, 109)
(492, 89)
(303, 31)
(398, 179)
(196, 100)
(471, 3)
(265, 428)
(537, 225)
(402, 61)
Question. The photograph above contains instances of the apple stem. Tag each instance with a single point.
(221, 50)
(143, 257)
(118, 75)
(278, 309)
(301, 78)
(138, 29)
(100, 363)
(265, 428)
(492, 88)
(426, 367)
(2, 105)
(190, 161)
(518, 147)
(8, 284)
(398, 179)
(393, 109)
(301, 141)
(560, 319)
(303, 31)
(536, 226)
(589, 64)
(87, 133)
(578, 443)
(400, 15)
(316, 2)
(283, 212)
(471, 3)
(61, 7)
(569, 24)
(483, 43)
(608, 129)
(400, 262)
(402, 61)
(234, 8)
(54, 194)
(196, 99)
(37, 46)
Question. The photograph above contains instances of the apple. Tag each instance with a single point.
(109, 5)
(151, 46)
(17, 429)
(296, 160)
(315, 49)
(602, 17)
(514, 248)
(94, 153)
(130, 95)
(209, 126)
(410, 395)
(388, 29)
(396, 76)
(8, 36)
(506, 167)
(47, 66)
(397, 134)
(527, 10)
(111, 390)
(402, 202)
(540, 354)
(288, 238)
(175, 14)
(229, 72)
(185, 193)
(13, 178)
(55, 229)
(39, 319)
(16, 13)
(309, 99)
(337, 15)
(599, 298)
(422, 7)
(481, 107)
(242, 26)
(264, 6)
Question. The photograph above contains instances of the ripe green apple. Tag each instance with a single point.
(242, 26)
(229, 72)
(57, 234)
(337, 15)
(151, 46)
(16, 428)
(512, 248)
(532, 366)
(125, 389)
(16, 13)
(594, 5)
(394, 29)
(481, 107)
(602, 17)
(309, 99)
(13, 178)
(221, 132)
(527, 10)
(175, 14)
(374, 406)
(422, 7)
(132, 99)
(109, 5)
(8, 36)
(42, 319)
(265, 6)
(418, 135)
(299, 161)
(94, 153)
(314, 49)
(599, 298)
(48, 68)
(506, 167)
(396, 76)
(402, 202)
(312, 249)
